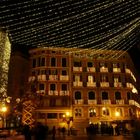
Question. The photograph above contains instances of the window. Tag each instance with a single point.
(130, 111)
(52, 87)
(92, 112)
(64, 87)
(116, 65)
(77, 95)
(77, 64)
(102, 64)
(90, 78)
(41, 86)
(128, 95)
(41, 115)
(105, 111)
(52, 115)
(104, 78)
(64, 62)
(91, 95)
(52, 102)
(34, 63)
(64, 72)
(119, 111)
(53, 62)
(78, 112)
(89, 64)
(117, 95)
(104, 96)
(77, 78)
(42, 61)
(53, 72)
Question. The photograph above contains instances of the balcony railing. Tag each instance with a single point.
(77, 84)
(53, 92)
(128, 70)
(104, 84)
(103, 69)
(117, 84)
(106, 102)
(120, 102)
(116, 70)
(77, 68)
(53, 77)
(31, 78)
(80, 101)
(89, 84)
(90, 102)
(64, 93)
(64, 77)
(129, 85)
(91, 69)
(42, 92)
(41, 77)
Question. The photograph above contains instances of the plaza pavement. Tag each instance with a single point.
(79, 137)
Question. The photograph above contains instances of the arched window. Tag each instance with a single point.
(91, 95)
(104, 95)
(117, 95)
(92, 112)
(119, 112)
(128, 96)
(77, 95)
(130, 112)
(105, 111)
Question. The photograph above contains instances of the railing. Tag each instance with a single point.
(104, 84)
(106, 102)
(91, 84)
(77, 68)
(94, 102)
(120, 102)
(77, 84)
(91, 69)
(116, 70)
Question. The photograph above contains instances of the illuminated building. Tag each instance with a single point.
(92, 89)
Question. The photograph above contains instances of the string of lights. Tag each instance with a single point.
(101, 25)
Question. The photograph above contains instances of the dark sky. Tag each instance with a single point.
(135, 55)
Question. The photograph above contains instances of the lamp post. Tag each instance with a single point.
(4, 110)
(67, 118)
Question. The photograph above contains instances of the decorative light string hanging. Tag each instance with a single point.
(101, 25)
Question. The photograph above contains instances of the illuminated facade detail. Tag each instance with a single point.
(5, 52)
(90, 95)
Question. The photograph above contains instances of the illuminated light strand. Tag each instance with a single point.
(62, 40)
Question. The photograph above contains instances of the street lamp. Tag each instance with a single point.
(68, 119)
(4, 110)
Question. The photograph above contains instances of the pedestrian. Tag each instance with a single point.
(27, 132)
(40, 131)
(53, 133)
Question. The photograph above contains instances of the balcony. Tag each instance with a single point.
(91, 69)
(120, 102)
(79, 84)
(117, 84)
(53, 77)
(128, 70)
(104, 84)
(103, 69)
(79, 102)
(64, 77)
(129, 85)
(106, 102)
(92, 102)
(78, 69)
(116, 70)
(53, 92)
(31, 78)
(131, 102)
(89, 84)
(41, 77)
(64, 93)
(42, 92)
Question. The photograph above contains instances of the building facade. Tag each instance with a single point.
(74, 88)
